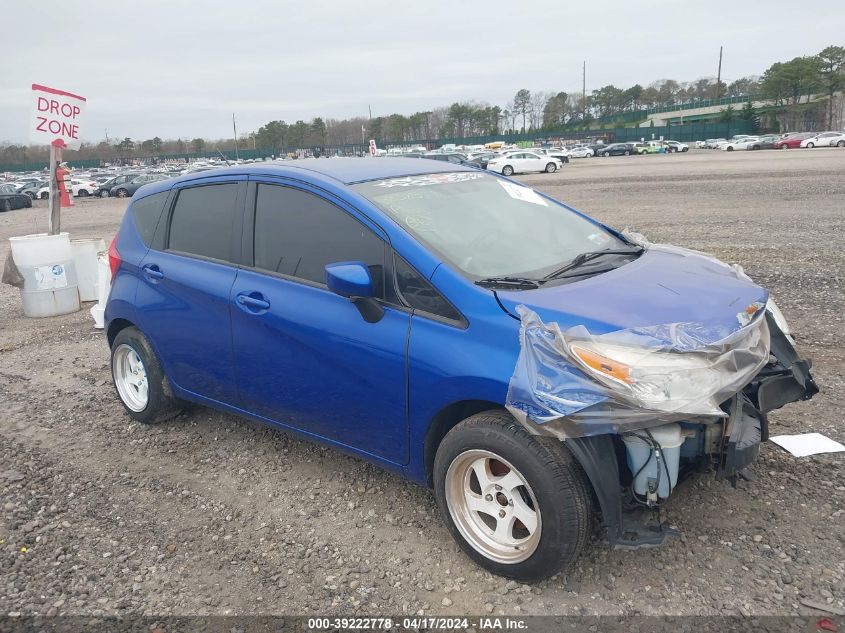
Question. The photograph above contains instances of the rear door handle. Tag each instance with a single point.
(152, 271)
(253, 302)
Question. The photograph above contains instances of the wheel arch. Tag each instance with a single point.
(115, 327)
(444, 421)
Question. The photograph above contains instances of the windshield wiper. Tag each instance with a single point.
(583, 258)
(509, 282)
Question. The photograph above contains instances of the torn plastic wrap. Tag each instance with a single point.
(574, 384)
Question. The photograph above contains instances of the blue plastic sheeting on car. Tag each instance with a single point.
(574, 384)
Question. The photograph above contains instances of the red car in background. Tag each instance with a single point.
(792, 140)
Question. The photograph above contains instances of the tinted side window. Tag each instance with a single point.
(202, 221)
(147, 212)
(420, 294)
(298, 233)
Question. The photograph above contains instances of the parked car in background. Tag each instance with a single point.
(764, 142)
(450, 157)
(792, 140)
(523, 162)
(404, 309)
(581, 151)
(676, 146)
(643, 148)
(836, 141)
(105, 188)
(819, 140)
(83, 188)
(481, 159)
(701, 144)
(735, 143)
(127, 189)
(617, 149)
(11, 199)
(713, 143)
(32, 189)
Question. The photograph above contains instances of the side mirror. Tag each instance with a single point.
(353, 281)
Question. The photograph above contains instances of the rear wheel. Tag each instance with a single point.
(507, 170)
(627, 152)
(840, 144)
(122, 193)
(730, 148)
(810, 145)
(551, 168)
(45, 195)
(139, 379)
(784, 146)
(104, 193)
(82, 193)
(517, 504)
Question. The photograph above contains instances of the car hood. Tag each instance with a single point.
(664, 285)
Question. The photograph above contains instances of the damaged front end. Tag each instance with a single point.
(640, 407)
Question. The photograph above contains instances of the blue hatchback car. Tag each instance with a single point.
(533, 366)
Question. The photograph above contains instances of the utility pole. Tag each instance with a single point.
(584, 90)
(719, 75)
(235, 129)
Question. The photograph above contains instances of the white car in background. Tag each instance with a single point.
(735, 143)
(677, 146)
(523, 162)
(836, 141)
(819, 140)
(581, 152)
(747, 142)
(82, 188)
(700, 144)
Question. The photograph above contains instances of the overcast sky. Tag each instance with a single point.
(179, 68)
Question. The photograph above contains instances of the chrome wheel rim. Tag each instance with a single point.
(130, 378)
(493, 506)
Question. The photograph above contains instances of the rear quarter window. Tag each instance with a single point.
(147, 213)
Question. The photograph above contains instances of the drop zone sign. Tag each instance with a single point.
(56, 117)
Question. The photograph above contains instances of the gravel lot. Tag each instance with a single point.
(211, 514)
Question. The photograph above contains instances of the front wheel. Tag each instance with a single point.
(627, 152)
(606, 154)
(139, 379)
(551, 168)
(784, 146)
(507, 170)
(840, 144)
(810, 146)
(516, 503)
(104, 193)
(45, 195)
(122, 193)
(730, 149)
(7, 206)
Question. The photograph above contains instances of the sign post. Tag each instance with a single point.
(56, 119)
(373, 149)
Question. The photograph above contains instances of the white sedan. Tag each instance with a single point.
(819, 140)
(740, 143)
(524, 162)
(581, 152)
(82, 188)
(836, 141)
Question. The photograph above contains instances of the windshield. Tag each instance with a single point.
(487, 226)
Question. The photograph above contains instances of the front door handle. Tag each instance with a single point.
(152, 271)
(253, 302)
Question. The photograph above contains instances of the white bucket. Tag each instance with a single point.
(85, 259)
(46, 264)
(642, 459)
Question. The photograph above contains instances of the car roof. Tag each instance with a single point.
(342, 170)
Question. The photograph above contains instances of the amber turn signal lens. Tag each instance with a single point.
(603, 364)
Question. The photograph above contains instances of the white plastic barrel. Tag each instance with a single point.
(642, 459)
(85, 259)
(47, 266)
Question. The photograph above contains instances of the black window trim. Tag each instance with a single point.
(237, 221)
(461, 323)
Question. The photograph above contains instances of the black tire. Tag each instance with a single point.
(559, 485)
(161, 405)
(551, 168)
(810, 145)
(27, 203)
(507, 170)
(606, 154)
(840, 144)
(685, 149)
(730, 149)
(31, 195)
(7, 205)
(104, 193)
(44, 196)
(627, 152)
(82, 193)
(784, 146)
(121, 193)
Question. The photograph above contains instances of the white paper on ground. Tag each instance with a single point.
(807, 444)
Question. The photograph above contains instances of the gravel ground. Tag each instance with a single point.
(211, 514)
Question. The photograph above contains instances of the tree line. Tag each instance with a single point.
(790, 87)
